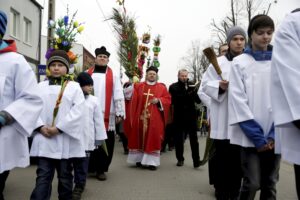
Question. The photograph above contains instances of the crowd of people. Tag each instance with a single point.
(253, 110)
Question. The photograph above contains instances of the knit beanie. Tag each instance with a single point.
(101, 50)
(59, 56)
(3, 23)
(235, 30)
(84, 79)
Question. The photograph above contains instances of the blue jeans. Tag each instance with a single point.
(45, 174)
(260, 171)
(80, 166)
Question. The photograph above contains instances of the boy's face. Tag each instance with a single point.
(57, 69)
(237, 44)
(88, 89)
(261, 38)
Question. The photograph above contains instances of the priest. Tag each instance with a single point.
(150, 102)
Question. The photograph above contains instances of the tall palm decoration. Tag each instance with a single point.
(125, 28)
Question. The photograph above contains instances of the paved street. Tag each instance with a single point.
(130, 183)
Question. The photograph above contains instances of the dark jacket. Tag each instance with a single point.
(183, 103)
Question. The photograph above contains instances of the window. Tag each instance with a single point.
(15, 23)
(27, 30)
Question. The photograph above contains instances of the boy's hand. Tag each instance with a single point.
(44, 131)
(118, 119)
(223, 84)
(52, 131)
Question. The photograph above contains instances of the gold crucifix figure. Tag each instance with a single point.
(145, 115)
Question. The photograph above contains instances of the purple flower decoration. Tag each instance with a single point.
(65, 43)
(66, 20)
(48, 53)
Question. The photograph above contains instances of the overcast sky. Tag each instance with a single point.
(178, 21)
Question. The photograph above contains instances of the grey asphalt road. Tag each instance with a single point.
(127, 182)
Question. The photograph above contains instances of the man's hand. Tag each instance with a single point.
(154, 101)
(223, 85)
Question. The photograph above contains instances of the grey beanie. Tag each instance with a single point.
(235, 30)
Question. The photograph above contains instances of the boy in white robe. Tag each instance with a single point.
(20, 106)
(58, 137)
(94, 133)
(250, 112)
(227, 180)
(285, 93)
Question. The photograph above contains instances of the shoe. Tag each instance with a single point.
(139, 164)
(180, 163)
(152, 167)
(197, 164)
(101, 176)
(77, 192)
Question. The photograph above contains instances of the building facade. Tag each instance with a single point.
(24, 26)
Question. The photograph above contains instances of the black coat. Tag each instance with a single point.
(183, 103)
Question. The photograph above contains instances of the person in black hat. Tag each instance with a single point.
(20, 106)
(108, 89)
(94, 133)
(151, 102)
(59, 134)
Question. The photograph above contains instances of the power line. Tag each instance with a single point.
(105, 19)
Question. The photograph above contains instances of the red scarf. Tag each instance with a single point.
(108, 92)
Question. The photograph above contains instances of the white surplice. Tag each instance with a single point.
(94, 128)
(19, 97)
(249, 97)
(218, 102)
(285, 92)
(68, 144)
(117, 107)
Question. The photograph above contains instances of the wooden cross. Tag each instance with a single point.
(145, 115)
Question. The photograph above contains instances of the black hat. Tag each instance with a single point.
(59, 56)
(152, 68)
(101, 50)
(84, 79)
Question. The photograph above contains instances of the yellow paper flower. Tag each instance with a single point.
(75, 24)
(58, 40)
(80, 29)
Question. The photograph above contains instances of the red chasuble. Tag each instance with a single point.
(148, 122)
